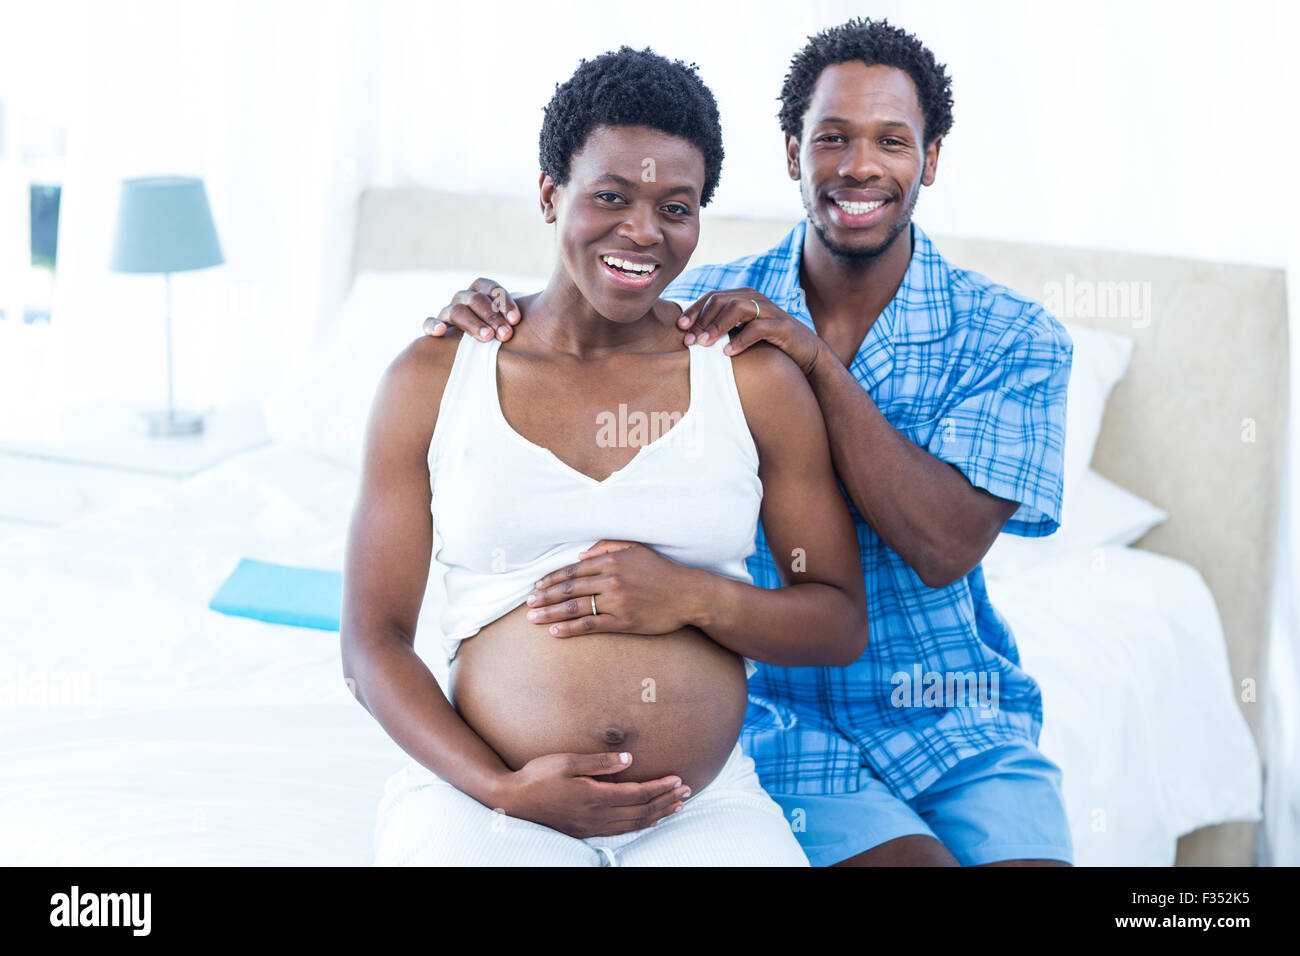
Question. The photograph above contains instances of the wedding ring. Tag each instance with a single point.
(594, 612)
(755, 308)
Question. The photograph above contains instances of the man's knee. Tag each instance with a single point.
(1025, 863)
(914, 850)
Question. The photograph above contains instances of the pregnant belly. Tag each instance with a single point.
(675, 701)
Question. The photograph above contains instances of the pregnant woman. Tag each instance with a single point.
(595, 487)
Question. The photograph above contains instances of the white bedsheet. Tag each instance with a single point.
(139, 727)
(1138, 700)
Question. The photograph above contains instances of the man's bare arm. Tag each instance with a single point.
(483, 311)
(922, 507)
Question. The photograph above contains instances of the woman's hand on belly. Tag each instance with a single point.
(637, 591)
(560, 791)
(676, 702)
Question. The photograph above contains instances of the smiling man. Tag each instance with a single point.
(944, 399)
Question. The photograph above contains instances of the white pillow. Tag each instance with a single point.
(1100, 360)
(1100, 515)
(323, 401)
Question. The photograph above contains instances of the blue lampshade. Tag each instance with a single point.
(164, 224)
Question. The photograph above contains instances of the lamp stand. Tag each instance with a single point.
(159, 424)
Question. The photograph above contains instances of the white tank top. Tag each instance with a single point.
(507, 511)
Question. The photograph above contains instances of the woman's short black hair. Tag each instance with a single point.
(875, 43)
(632, 88)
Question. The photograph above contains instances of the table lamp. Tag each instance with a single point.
(164, 225)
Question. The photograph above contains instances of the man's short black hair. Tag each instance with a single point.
(632, 88)
(875, 43)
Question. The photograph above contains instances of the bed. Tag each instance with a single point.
(139, 727)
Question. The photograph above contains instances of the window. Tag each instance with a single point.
(32, 153)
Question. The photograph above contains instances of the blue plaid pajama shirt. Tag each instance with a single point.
(976, 374)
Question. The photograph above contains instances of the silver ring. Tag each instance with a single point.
(594, 612)
(755, 309)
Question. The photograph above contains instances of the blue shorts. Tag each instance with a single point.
(1002, 804)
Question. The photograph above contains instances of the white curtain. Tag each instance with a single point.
(1280, 835)
(272, 104)
(287, 110)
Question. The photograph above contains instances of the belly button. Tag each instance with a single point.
(612, 737)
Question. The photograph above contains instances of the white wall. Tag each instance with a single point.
(1131, 125)
(1145, 126)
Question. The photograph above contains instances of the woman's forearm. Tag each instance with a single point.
(401, 693)
(801, 625)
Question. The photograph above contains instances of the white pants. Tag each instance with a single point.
(425, 821)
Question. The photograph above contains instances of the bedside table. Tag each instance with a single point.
(96, 458)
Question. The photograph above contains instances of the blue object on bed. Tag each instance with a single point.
(282, 594)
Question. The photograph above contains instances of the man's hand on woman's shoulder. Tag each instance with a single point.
(483, 310)
(749, 317)
(486, 310)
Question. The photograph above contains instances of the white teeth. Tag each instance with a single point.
(616, 263)
(858, 208)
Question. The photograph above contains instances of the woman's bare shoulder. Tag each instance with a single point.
(773, 393)
(764, 373)
(426, 362)
(410, 389)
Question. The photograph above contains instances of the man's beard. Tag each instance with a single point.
(858, 255)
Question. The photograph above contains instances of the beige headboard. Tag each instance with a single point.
(1196, 426)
